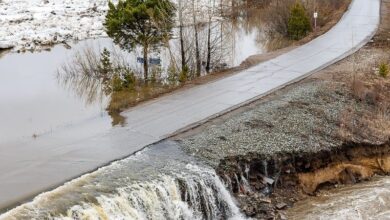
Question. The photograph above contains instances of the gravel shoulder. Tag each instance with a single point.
(340, 104)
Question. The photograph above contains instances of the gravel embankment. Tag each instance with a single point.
(319, 113)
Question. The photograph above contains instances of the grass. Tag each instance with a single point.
(124, 99)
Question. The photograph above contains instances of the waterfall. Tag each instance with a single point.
(167, 198)
(265, 167)
(247, 169)
(194, 192)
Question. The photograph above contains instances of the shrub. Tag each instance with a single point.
(129, 81)
(155, 74)
(172, 75)
(183, 76)
(105, 67)
(384, 70)
(298, 23)
(116, 83)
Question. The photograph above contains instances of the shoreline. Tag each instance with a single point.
(309, 121)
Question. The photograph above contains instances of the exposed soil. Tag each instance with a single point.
(265, 186)
(329, 129)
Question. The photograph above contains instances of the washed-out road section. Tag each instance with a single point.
(32, 166)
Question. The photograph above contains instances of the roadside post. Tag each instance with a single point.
(315, 15)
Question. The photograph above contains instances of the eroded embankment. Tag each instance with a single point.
(266, 184)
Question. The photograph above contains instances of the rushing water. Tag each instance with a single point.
(368, 200)
(160, 182)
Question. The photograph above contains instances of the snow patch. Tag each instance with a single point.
(32, 24)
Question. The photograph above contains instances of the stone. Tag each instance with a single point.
(268, 180)
(281, 205)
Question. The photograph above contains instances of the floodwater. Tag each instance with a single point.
(36, 104)
(34, 101)
(365, 201)
(160, 182)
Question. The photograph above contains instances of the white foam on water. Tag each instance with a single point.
(363, 201)
(192, 192)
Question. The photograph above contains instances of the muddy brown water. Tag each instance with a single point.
(32, 102)
(367, 200)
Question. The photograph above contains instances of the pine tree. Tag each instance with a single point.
(146, 23)
(298, 23)
(105, 64)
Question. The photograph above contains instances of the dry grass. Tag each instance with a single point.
(124, 99)
(369, 116)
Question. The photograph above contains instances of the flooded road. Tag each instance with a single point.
(47, 125)
(34, 101)
(367, 200)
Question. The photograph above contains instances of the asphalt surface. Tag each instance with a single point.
(32, 166)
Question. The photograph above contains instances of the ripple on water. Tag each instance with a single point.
(160, 182)
(367, 200)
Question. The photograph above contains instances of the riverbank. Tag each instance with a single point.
(154, 121)
(273, 46)
(331, 128)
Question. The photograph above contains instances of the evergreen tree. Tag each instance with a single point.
(105, 67)
(140, 22)
(298, 23)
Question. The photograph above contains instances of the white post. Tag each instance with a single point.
(315, 20)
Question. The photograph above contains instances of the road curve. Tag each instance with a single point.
(28, 168)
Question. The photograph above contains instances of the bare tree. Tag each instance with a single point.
(197, 49)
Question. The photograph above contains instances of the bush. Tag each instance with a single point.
(298, 23)
(384, 70)
(183, 76)
(116, 83)
(129, 81)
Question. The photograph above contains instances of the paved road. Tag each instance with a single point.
(27, 168)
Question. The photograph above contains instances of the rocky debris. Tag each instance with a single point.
(305, 118)
(281, 205)
(276, 183)
(258, 206)
(268, 180)
(283, 124)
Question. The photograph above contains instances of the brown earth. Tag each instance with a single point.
(265, 151)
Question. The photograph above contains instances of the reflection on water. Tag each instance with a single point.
(368, 200)
(32, 102)
(232, 41)
(161, 182)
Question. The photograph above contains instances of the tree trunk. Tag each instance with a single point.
(208, 48)
(146, 64)
(183, 53)
(197, 50)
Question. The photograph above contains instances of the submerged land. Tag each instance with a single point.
(329, 129)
